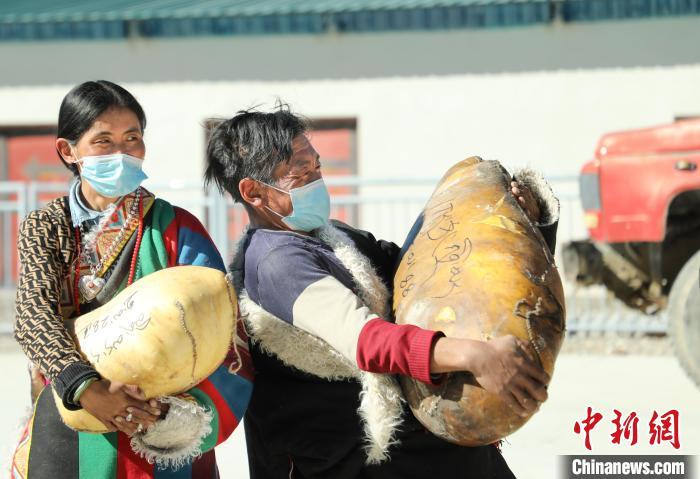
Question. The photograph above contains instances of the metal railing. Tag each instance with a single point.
(386, 207)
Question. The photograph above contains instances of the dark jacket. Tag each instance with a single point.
(300, 426)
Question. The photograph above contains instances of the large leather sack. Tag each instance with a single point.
(475, 267)
(165, 333)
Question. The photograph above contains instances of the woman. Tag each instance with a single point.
(76, 253)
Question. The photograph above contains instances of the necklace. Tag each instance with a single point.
(91, 284)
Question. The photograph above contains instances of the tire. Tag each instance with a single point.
(684, 317)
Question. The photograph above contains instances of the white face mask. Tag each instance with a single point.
(311, 206)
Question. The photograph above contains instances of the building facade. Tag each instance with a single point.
(417, 86)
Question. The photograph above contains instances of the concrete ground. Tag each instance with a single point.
(604, 382)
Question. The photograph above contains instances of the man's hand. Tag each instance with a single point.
(501, 366)
(114, 403)
(505, 369)
(526, 200)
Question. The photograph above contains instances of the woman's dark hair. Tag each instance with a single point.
(250, 145)
(85, 102)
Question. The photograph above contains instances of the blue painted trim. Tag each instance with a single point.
(488, 14)
(594, 10)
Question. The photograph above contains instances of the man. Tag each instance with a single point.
(315, 297)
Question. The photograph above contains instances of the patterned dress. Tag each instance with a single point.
(46, 297)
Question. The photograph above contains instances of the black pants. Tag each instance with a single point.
(309, 426)
(419, 455)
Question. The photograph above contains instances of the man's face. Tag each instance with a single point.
(302, 168)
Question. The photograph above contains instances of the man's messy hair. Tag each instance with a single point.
(250, 145)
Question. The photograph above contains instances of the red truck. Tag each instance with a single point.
(641, 199)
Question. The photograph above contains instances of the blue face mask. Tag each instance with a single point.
(311, 206)
(113, 175)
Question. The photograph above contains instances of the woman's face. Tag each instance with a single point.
(117, 130)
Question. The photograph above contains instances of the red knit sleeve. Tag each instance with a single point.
(385, 347)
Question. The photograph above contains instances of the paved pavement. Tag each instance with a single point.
(627, 383)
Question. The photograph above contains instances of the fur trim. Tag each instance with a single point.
(381, 399)
(547, 201)
(176, 440)
(381, 411)
(293, 346)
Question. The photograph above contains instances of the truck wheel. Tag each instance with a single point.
(684, 317)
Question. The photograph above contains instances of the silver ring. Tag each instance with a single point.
(129, 417)
(139, 428)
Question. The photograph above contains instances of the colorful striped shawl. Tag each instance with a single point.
(172, 237)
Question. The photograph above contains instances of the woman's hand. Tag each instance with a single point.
(113, 403)
(501, 366)
(526, 200)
